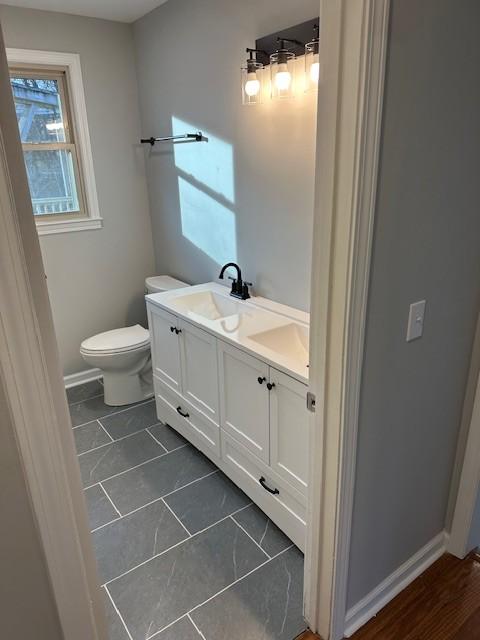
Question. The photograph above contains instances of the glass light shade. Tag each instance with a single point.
(282, 70)
(312, 66)
(252, 83)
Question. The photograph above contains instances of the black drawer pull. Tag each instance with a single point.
(264, 484)
(270, 385)
(172, 329)
(177, 331)
(184, 415)
(261, 380)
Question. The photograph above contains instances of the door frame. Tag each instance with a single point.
(353, 37)
(353, 47)
(465, 485)
(30, 370)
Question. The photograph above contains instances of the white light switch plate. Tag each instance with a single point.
(416, 318)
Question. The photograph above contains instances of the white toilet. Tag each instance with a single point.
(123, 355)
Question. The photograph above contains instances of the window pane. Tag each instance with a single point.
(51, 178)
(39, 109)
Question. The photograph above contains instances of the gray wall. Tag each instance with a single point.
(250, 195)
(95, 278)
(426, 246)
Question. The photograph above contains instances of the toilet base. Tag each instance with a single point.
(121, 388)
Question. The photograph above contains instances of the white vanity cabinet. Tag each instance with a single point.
(289, 429)
(198, 358)
(248, 417)
(184, 363)
(244, 399)
(165, 347)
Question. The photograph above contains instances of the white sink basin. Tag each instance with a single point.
(289, 340)
(207, 304)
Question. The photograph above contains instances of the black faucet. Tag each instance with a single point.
(239, 288)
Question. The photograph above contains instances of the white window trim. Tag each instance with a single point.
(82, 136)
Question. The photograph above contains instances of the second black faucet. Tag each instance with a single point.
(239, 287)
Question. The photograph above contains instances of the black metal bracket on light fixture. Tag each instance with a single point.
(297, 36)
(314, 43)
(252, 61)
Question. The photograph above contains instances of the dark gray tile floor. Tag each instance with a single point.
(183, 554)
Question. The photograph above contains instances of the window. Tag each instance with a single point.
(50, 109)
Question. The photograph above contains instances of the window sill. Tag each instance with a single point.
(66, 226)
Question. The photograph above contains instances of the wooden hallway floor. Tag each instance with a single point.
(441, 604)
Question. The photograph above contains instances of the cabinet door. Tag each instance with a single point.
(289, 429)
(243, 399)
(165, 347)
(199, 370)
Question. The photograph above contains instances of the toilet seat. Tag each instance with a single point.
(117, 341)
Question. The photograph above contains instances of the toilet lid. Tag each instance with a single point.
(117, 340)
(163, 283)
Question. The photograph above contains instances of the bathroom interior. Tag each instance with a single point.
(173, 190)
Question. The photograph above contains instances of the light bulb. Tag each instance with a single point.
(252, 85)
(283, 78)
(315, 72)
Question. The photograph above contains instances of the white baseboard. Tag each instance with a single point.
(81, 377)
(371, 604)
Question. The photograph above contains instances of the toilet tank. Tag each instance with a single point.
(156, 284)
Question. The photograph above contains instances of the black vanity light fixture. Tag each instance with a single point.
(252, 78)
(280, 51)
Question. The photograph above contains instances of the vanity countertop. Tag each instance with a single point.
(271, 331)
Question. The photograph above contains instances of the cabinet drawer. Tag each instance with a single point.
(192, 424)
(287, 508)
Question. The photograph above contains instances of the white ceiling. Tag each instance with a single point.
(121, 10)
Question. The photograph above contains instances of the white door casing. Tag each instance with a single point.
(353, 45)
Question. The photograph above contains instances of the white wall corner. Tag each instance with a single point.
(370, 605)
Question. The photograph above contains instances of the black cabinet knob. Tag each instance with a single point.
(270, 385)
(261, 380)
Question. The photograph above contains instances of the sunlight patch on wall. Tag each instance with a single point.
(207, 224)
(210, 163)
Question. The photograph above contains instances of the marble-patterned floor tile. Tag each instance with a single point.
(88, 410)
(89, 436)
(128, 421)
(126, 543)
(207, 501)
(84, 391)
(167, 436)
(99, 507)
(118, 456)
(266, 604)
(181, 630)
(115, 625)
(159, 592)
(262, 530)
(157, 478)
